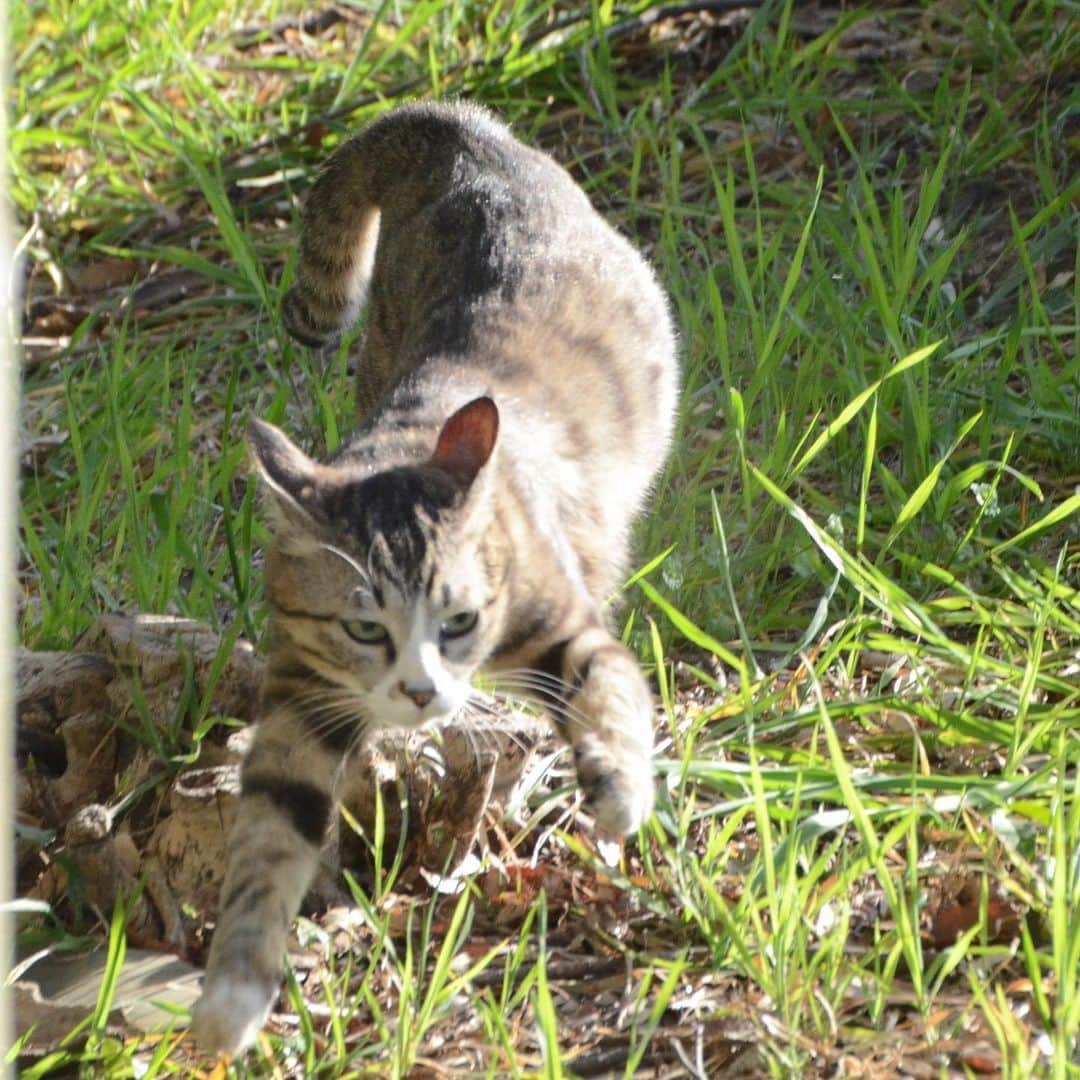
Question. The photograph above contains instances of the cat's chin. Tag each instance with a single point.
(396, 715)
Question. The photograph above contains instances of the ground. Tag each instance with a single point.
(857, 590)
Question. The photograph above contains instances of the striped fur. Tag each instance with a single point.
(517, 389)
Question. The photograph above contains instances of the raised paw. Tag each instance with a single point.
(229, 1015)
(618, 786)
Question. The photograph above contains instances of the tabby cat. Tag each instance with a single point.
(517, 387)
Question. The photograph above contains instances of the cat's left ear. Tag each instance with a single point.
(467, 440)
(289, 473)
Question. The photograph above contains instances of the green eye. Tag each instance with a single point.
(459, 625)
(365, 631)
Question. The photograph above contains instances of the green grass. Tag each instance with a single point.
(866, 634)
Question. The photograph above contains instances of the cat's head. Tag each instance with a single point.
(385, 582)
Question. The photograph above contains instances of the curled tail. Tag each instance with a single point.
(391, 168)
(337, 255)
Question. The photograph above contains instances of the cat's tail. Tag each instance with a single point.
(396, 160)
(334, 271)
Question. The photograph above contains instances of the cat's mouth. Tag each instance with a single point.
(401, 712)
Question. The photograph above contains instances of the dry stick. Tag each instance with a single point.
(627, 26)
(561, 970)
(248, 37)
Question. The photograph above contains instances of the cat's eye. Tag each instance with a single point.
(459, 625)
(365, 631)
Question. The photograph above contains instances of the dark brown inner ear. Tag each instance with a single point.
(467, 439)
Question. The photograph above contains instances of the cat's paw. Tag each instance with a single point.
(618, 786)
(300, 321)
(229, 1015)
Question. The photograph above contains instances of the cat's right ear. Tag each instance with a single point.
(289, 474)
(467, 440)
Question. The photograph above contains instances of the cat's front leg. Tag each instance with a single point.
(285, 803)
(607, 719)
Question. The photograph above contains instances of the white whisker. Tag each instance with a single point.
(506, 731)
(364, 576)
(540, 694)
(540, 679)
(338, 709)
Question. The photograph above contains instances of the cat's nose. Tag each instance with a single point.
(420, 696)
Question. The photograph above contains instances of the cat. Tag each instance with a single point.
(517, 390)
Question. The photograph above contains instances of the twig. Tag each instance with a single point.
(570, 969)
(604, 1062)
(248, 37)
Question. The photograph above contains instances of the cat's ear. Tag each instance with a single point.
(287, 471)
(467, 440)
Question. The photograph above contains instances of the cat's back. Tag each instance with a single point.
(468, 210)
(435, 151)
(488, 247)
(487, 271)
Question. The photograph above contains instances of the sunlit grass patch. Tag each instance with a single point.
(865, 631)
